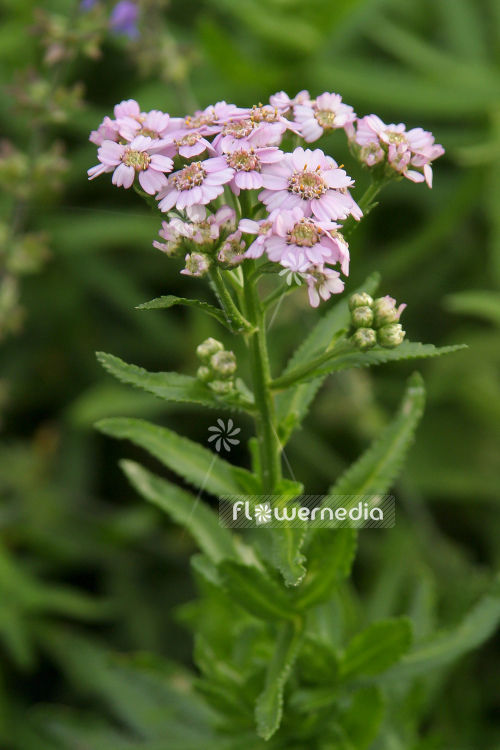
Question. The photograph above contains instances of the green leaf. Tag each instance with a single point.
(293, 404)
(376, 470)
(361, 722)
(378, 356)
(171, 300)
(255, 591)
(269, 706)
(287, 557)
(199, 520)
(330, 554)
(170, 386)
(376, 648)
(478, 626)
(196, 464)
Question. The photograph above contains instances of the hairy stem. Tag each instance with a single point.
(233, 315)
(366, 204)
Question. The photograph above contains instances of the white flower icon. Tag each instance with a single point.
(263, 513)
(224, 435)
(294, 268)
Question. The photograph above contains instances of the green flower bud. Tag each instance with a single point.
(390, 336)
(360, 300)
(208, 348)
(386, 312)
(224, 364)
(221, 387)
(205, 374)
(364, 339)
(362, 317)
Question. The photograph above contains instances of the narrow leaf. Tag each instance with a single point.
(269, 706)
(287, 555)
(477, 627)
(376, 470)
(170, 386)
(330, 554)
(361, 722)
(199, 520)
(376, 648)
(171, 300)
(479, 302)
(196, 464)
(255, 592)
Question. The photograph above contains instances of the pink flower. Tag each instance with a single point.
(311, 181)
(252, 130)
(231, 253)
(190, 144)
(295, 235)
(197, 265)
(199, 182)
(140, 156)
(322, 283)
(108, 130)
(153, 124)
(282, 101)
(403, 149)
(325, 114)
(247, 162)
(208, 121)
(262, 228)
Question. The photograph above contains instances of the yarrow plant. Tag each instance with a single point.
(247, 199)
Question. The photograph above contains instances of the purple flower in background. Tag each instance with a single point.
(86, 5)
(123, 19)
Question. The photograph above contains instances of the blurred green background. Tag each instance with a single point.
(85, 566)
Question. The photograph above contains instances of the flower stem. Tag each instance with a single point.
(269, 445)
(238, 322)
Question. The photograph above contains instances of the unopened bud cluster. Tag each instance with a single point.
(218, 366)
(375, 322)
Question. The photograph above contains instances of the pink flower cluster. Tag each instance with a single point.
(194, 164)
(409, 153)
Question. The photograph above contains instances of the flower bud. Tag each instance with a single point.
(386, 312)
(362, 317)
(208, 348)
(224, 364)
(364, 339)
(360, 300)
(205, 374)
(221, 387)
(390, 336)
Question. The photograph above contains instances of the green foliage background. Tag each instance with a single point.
(85, 567)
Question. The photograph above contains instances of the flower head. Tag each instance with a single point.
(199, 182)
(141, 157)
(311, 181)
(322, 283)
(123, 19)
(408, 153)
(325, 114)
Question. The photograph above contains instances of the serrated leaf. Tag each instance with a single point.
(169, 386)
(379, 356)
(376, 470)
(293, 404)
(199, 520)
(478, 626)
(376, 648)
(196, 464)
(269, 706)
(330, 557)
(171, 300)
(255, 592)
(287, 555)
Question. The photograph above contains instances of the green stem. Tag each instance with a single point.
(233, 315)
(269, 445)
(366, 204)
(279, 292)
(298, 373)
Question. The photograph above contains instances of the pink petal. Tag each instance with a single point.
(123, 176)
